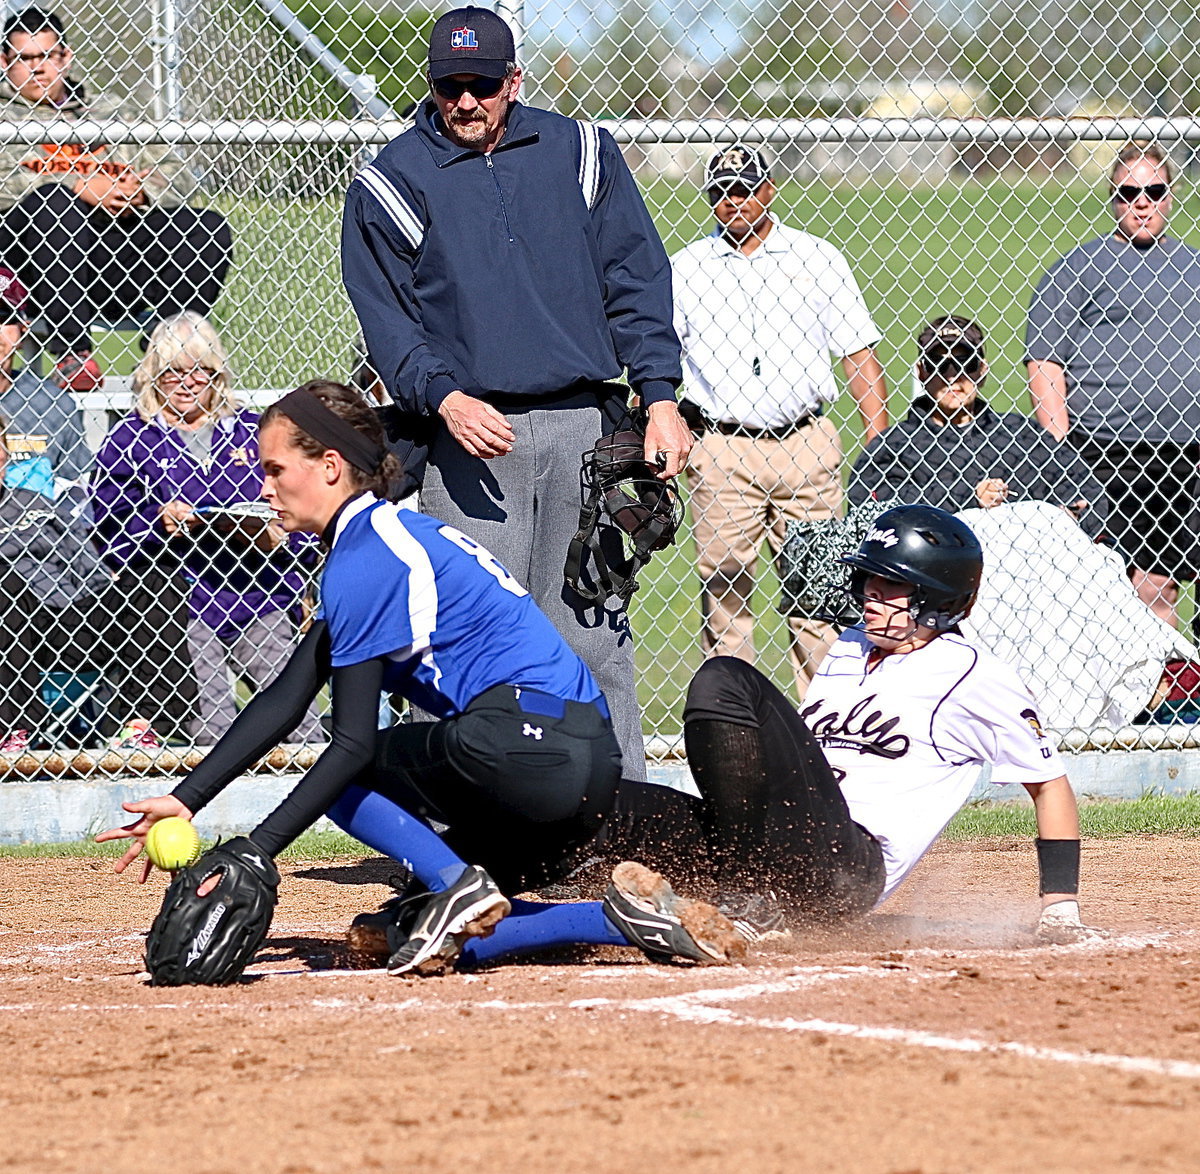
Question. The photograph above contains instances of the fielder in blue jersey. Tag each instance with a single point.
(500, 793)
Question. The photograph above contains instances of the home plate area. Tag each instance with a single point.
(935, 1035)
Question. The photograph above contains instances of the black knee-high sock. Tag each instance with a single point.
(727, 763)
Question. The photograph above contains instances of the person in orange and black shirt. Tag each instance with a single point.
(94, 230)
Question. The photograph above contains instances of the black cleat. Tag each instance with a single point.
(469, 908)
(375, 937)
(664, 926)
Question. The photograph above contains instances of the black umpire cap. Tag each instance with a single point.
(736, 166)
(470, 40)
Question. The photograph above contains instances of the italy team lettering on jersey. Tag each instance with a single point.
(907, 738)
(404, 586)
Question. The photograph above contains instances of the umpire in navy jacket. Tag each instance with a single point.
(504, 270)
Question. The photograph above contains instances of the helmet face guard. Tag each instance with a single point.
(648, 510)
(932, 552)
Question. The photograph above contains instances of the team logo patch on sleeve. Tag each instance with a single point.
(1036, 726)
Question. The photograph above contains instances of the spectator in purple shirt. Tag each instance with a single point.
(175, 485)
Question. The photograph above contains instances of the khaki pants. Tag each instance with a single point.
(742, 491)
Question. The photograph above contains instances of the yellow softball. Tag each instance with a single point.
(172, 843)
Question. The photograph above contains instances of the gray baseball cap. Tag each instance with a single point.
(470, 40)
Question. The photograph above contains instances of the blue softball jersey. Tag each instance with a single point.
(446, 616)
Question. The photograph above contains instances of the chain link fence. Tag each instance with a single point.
(191, 156)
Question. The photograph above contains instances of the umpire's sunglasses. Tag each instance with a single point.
(1130, 193)
(477, 87)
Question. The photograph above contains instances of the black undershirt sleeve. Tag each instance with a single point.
(355, 692)
(273, 714)
(265, 721)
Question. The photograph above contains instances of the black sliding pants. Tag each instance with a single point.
(771, 815)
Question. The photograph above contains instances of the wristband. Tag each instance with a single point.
(1058, 866)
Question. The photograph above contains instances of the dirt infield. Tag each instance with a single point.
(937, 1037)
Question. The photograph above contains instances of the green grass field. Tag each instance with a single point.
(974, 248)
(1149, 815)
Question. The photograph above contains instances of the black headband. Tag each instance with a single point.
(329, 429)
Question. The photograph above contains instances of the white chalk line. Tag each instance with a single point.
(704, 1007)
(924, 1039)
(698, 1007)
(693, 1009)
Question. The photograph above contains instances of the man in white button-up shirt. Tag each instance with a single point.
(759, 308)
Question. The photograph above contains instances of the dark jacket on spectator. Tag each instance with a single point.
(919, 461)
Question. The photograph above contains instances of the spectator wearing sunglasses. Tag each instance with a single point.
(954, 452)
(506, 274)
(1113, 352)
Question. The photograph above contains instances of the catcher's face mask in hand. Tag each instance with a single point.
(623, 503)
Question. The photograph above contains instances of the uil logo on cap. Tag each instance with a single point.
(470, 40)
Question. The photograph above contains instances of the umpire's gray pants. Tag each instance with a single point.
(255, 655)
(524, 507)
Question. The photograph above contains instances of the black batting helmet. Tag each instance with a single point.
(931, 550)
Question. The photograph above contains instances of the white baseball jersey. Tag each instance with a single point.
(907, 738)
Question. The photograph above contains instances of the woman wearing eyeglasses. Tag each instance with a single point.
(175, 488)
